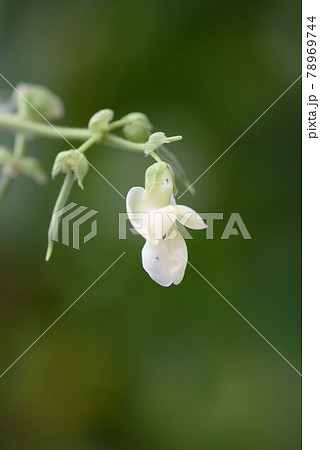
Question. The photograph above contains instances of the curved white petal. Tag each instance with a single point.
(137, 200)
(166, 262)
(148, 216)
(179, 255)
(137, 205)
(189, 218)
(162, 222)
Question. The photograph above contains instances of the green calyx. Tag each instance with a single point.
(158, 139)
(71, 161)
(14, 166)
(99, 122)
(44, 102)
(160, 178)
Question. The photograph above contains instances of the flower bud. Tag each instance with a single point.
(137, 128)
(71, 161)
(99, 122)
(158, 139)
(43, 101)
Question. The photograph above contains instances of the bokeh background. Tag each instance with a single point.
(133, 365)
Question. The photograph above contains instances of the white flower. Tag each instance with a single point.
(153, 213)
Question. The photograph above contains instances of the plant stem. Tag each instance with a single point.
(155, 156)
(89, 143)
(18, 151)
(123, 144)
(19, 145)
(117, 124)
(16, 123)
(61, 201)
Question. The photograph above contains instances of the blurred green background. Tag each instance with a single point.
(133, 365)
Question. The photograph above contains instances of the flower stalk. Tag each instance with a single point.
(60, 203)
(6, 178)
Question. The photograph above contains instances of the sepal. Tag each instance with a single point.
(158, 139)
(99, 122)
(43, 101)
(71, 161)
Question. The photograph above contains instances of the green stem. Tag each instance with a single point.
(123, 144)
(18, 151)
(155, 156)
(117, 124)
(16, 123)
(89, 143)
(19, 145)
(61, 201)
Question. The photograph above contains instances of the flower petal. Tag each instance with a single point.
(137, 205)
(179, 255)
(166, 262)
(137, 200)
(162, 222)
(189, 218)
(148, 215)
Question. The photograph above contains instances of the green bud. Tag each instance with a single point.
(71, 161)
(137, 127)
(41, 98)
(99, 122)
(137, 117)
(158, 139)
(136, 132)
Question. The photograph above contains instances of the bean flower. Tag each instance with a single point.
(154, 213)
